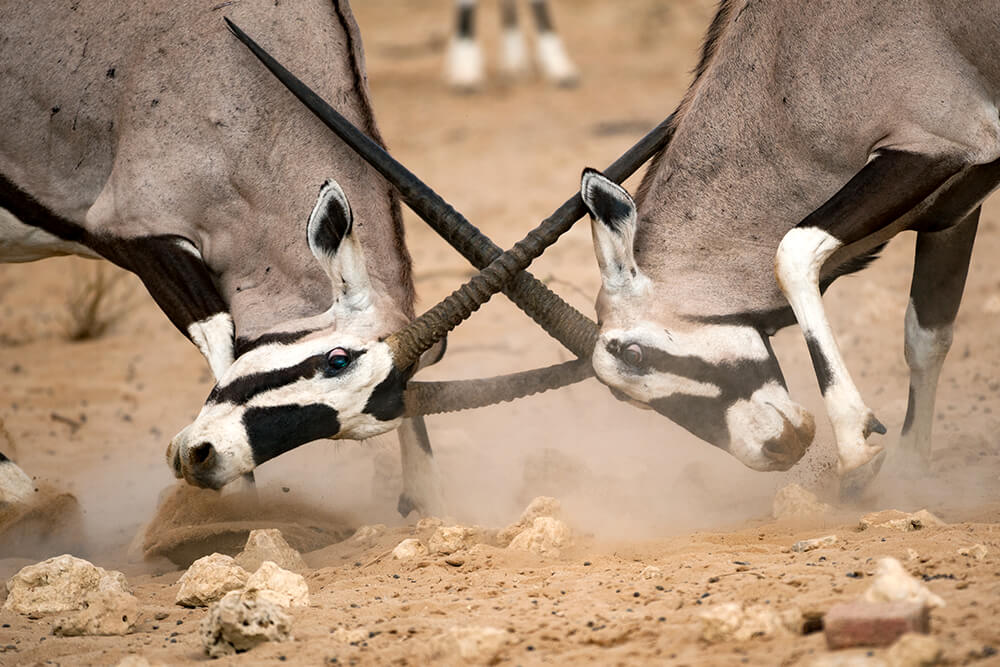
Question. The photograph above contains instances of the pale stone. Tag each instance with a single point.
(429, 523)
(896, 520)
(858, 658)
(104, 613)
(793, 501)
(449, 539)
(137, 661)
(914, 650)
(480, 645)
(651, 572)
(731, 621)
(345, 636)
(236, 624)
(367, 534)
(208, 579)
(409, 549)
(280, 586)
(977, 551)
(545, 536)
(269, 544)
(892, 583)
(540, 506)
(911, 554)
(59, 584)
(815, 543)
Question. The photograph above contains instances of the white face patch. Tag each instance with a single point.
(214, 338)
(285, 376)
(764, 418)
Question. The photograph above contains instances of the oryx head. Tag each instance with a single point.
(719, 381)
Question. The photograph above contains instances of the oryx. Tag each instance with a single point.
(464, 67)
(813, 132)
(163, 147)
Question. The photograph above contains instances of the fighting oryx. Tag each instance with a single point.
(464, 67)
(812, 133)
(164, 148)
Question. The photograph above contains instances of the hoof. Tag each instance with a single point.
(405, 505)
(854, 484)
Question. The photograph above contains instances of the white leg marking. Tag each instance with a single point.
(15, 485)
(797, 265)
(925, 351)
(421, 480)
(214, 337)
(554, 60)
(464, 64)
(513, 55)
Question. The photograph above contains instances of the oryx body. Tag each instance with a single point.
(465, 68)
(812, 134)
(148, 136)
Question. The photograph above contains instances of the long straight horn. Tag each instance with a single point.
(560, 320)
(431, 398)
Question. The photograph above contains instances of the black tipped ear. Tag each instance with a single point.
(330, 221)
(607, 201)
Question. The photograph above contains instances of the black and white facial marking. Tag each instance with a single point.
(293, 387)
(719, 381)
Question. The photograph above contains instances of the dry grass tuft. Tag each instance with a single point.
(99, 298)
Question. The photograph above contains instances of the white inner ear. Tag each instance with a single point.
(613, 239)
(349, 280)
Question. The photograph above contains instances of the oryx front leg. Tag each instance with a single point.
(890, 185)
(800, 257)
(421, 482)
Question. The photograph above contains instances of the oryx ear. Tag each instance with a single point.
(613, 222)
(336, 247)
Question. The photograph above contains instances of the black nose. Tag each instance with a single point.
(202, 456)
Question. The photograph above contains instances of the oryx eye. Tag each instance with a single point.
(632, 354)
(338, 358)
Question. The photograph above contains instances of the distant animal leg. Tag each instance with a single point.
(464, 61)
(513, 55)
(552, 57)
(890, 185)
(421, 482)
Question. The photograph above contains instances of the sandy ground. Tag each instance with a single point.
(94, 417)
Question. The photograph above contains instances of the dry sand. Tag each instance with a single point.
(94, 418)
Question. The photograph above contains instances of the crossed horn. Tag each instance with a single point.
(500, 271)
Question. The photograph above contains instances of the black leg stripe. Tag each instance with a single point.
(820, 364)
(466, 21)
(542, 17)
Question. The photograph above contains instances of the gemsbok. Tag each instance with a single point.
(163, 147)
(812, 134)
(464, 65)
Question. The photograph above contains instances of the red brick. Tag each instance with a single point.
(861, 623)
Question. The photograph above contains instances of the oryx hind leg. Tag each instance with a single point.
(464, 61)
(421, 482)
(890, 185)
(513, 54)
(555, 63)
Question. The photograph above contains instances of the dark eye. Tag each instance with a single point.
(632, 354)
(339, 359)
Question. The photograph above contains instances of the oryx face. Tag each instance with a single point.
(328, 376)
(720, 382)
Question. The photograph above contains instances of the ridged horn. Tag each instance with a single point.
(574, 330)
(430, 398)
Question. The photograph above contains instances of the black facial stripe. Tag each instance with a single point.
(386, 401)
(820, 364)
(241, 390)
(699, 415)
(276, 430)
(466, 21)
(244, 345)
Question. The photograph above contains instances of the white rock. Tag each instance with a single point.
(429, 523)
(651, 572)
(793, 501)
(208, 579)
(977, 551)
(815, 543)
(896, 520)
(269, 544)
(480, 645)
(59, 584)
(280, 586)
(345, 636)
(914, 650)
(730, 620)
(892, 583)
(449, 539)
(367, 534)
(236, 624)
(540, 506)
(104, 613)
(409, 549)
(545, 536)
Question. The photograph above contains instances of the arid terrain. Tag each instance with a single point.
(94, 417)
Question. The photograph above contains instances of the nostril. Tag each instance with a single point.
(201, 455)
